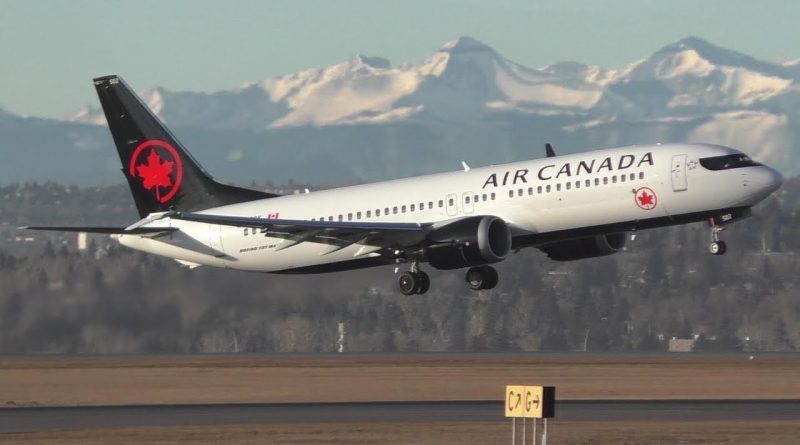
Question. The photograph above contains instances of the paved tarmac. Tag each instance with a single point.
(17, 420)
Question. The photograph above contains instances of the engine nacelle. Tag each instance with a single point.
(581, 248)
(469, 242)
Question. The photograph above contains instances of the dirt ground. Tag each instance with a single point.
(123, 380)
(561, 433)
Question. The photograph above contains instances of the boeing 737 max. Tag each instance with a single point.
(571, 207)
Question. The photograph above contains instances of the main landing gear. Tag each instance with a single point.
(414, 281)
(417, 282)
(481, 277)
(716, 247)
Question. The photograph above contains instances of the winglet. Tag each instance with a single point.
(464, 164)
(549, 150)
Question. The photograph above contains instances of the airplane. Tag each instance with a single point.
(571, 207)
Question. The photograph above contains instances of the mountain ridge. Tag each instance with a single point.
(366, 119)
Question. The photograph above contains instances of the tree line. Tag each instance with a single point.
(109, 299)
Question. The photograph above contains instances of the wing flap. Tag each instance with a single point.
(338, 234)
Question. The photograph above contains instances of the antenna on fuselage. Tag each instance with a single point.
(549, 150)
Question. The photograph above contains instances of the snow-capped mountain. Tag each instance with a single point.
(464, 79)
(693, 76)
(366, 119)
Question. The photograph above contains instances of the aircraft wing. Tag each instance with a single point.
(106, 230)
(338, 234)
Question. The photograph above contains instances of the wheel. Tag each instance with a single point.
(481, 277)
(407, 283)
(423, 282)
(491, 277)
(718, 248)
(474, 278)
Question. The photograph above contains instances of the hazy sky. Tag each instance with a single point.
(50, 50)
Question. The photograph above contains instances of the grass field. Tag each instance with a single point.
(475, 433)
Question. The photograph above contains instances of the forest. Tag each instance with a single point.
(57, 298)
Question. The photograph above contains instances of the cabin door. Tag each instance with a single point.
(679, 182)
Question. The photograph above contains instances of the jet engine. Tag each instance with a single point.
(581, 248)
(469, 241)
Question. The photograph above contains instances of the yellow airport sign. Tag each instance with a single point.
(537, 402)
(515, 401)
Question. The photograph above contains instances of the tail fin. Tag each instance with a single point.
(162, 175)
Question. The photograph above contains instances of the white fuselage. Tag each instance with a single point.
(556, 194)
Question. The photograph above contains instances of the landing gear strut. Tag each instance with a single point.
(414, 281)
(716, 247)
(481, 277)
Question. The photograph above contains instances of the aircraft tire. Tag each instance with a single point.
(408, 283)
(423, 282)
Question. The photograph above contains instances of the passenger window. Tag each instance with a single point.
(330, 218)
(422, 206)
(476, 198)
(246, 231)
(492, 196)
(577, 184)
(349, 216)
(386, 211)
(588, 182)
(548, 188)
(530, 190)
(484, 196)
(441, 203)
(519, 192)
(403, 209)
(622, 178)
(641, 175)
(539, 189)
(369, 213)
(430, 204)
(358, 215)
(466, 199)
(341, 218)
(596, 181)
(614, 179)
(558, 187)
(450, 202)
(605, 179)
(633, 176)
(412, 207)
(377, 212)
(394, 210)
(511, 193)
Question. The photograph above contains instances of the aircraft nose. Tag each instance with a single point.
(773, 179)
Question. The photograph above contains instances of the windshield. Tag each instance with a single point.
(727, 162)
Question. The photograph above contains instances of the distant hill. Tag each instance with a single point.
(365, 119)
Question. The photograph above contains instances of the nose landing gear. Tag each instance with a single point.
(717, 247)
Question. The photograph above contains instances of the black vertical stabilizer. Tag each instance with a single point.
(548, 149)
(162, 175)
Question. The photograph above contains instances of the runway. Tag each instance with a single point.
(37, 419)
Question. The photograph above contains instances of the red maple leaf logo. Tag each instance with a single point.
(155, 173)
(646, 199)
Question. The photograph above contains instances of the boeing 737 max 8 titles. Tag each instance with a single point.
(571, 207)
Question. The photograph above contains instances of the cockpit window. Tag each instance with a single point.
(727, 162)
